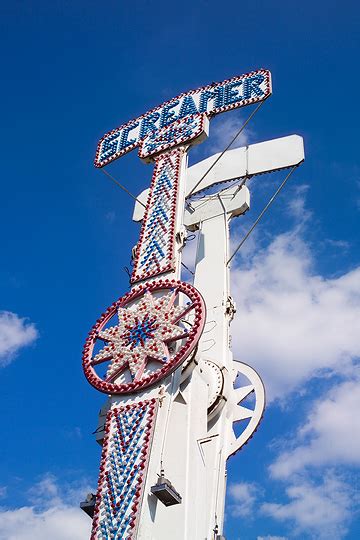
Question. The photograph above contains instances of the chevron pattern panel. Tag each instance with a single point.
(128, 437)
(156, 250)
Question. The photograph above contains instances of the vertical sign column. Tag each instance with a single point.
(150, 325)
(155, 252)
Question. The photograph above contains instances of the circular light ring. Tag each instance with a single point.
(147, 380)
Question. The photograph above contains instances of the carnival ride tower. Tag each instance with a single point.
(162, 351)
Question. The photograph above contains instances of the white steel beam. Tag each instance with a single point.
(233, 201)
(251, 160)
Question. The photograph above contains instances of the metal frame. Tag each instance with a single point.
(191, 337)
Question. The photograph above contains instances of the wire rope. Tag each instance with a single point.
(227, 147)
(266, 207)
(122, 187)
(171, 393)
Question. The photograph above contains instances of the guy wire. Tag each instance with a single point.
(122, 187)
(227, 147)
(266, 207)
(206, 173)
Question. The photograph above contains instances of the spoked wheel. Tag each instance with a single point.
(144, 336)
(246, 418)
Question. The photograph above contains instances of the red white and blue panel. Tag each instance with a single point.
(144, 336)
(212, 99)
(155, 251)
(124, 462)
(192, 129)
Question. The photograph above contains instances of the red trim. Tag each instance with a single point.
(143, 466)
(143, 154)
(169, 266)
(192, 337)
(264, 72)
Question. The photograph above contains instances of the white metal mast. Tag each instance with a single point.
(167, 428)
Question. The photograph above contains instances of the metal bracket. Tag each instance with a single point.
(230, 307)
(88, 506)
(165, 492)
(181, 236)
(133, 252)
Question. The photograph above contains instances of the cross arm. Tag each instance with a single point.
(251, 160)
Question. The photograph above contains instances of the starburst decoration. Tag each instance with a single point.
(143, 334)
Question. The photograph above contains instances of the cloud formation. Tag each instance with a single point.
(224, 128)
(243, 496)
(271, 538)
(57, 523)
(52, 513)
(15, 333)
(330, 435)
(297, 326)
(322, 510)
(293, 324)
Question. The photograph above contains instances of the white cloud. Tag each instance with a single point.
(243, 496)
(296, 206)
(15, 333)
(330, 435)
(293, 324)
(49, 492)
(46, 492)
(223, 129)
(323, 511)
(53, 513)
(271, 538)
(57, 523)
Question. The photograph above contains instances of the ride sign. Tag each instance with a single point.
(147, 343)
(212, 99)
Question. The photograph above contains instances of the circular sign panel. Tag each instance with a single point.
(144, 336)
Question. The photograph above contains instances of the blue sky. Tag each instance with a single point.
(73, 70)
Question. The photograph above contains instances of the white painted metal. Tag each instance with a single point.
(174, 445)
(194, 429)
(276, 154)
(250, 160)
(194, 422)
(233, 164)
(180, 420)
(139, 209)
(212, 280)
(180, 214)
(236, 201)
(191, 442)
(239, 412)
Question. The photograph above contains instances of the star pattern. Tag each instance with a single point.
(142, 334)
